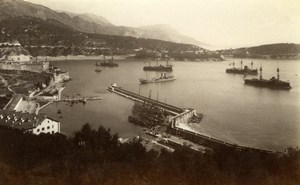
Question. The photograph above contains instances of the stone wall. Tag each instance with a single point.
(34, 66)
(61, 76)
(183, 117)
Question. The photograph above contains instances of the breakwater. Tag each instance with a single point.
(212, 142)
(182, 116)
(136, 97)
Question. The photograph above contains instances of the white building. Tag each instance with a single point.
(29, 123)
(47, 126)
(19, 58)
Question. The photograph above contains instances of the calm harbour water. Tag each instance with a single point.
(246, 115)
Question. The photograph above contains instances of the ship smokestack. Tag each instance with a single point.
(260, 73)
(150, 91)
(278, 71)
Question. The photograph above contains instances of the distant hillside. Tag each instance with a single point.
(274, 51)
(167, 33)
(87, 23)
(92, 18)
(50, 37)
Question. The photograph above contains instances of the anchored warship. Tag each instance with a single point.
(273, 83)
(109, 63)
(163, 78)
(164, 68)
(242, 70)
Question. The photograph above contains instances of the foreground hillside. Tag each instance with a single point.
(52, 38)
(274, 51)
(96, 157)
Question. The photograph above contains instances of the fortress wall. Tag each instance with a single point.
(61, 77)
(36, 67)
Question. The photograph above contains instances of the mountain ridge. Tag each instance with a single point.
(85, 22)
(52, 38)
(274, 51)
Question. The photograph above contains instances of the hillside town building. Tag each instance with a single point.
(28, 123)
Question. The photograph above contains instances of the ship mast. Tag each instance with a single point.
(278, 72)
(241, 64)
(111, 54)
(139, 90)
(252, 65)
(150, 93)
(260, 72)
(167, 59)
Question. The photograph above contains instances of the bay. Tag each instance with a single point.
(246, 115)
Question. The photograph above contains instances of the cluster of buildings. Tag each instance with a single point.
(18, 113)
(28, 123)
(12, 116)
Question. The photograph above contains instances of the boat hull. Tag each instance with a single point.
(272, 84)
(242, 71)
(107, 64)
(145, 81)
(158, 68)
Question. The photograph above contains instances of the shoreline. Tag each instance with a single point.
(115, 57)
(78, 57)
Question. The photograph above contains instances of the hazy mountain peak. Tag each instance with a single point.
(166, 32)
(91, 23)
(95, 18)
(158, 26)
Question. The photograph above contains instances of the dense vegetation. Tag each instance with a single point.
(3, 100)
(96, 157)
(281, 50)
(22, 82)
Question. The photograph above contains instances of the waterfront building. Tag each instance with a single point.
(28, 123)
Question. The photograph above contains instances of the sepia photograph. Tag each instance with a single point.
(149, 92)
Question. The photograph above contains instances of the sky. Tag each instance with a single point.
(219, 23)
